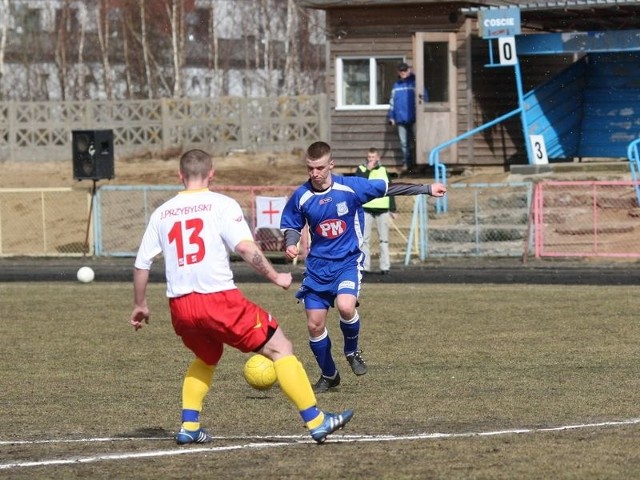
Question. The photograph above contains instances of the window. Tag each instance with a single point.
(67, 19)
(32, 21)
(365, 83)
(436, 71)
(198, 22)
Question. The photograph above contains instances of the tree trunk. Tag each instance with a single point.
(103, 38)
(81, 69)
(214, 54)
(62, 45)
(145, 49)
(175, 14)
(127, 62)
(3, 43)
(291, 66)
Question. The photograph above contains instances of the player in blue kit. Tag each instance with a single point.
(332, 207)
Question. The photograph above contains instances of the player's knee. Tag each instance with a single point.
(347, 309)
(277, 347)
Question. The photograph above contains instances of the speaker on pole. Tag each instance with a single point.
(92, 154)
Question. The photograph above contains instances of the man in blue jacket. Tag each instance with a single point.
(402, 112)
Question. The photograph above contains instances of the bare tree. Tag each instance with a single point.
(3, 42)
(102, 22)
(311, 52)
(145, 48)
(246, 40)
(264, 39)
(291, 65)
(249, 47)
(81, 68)
(214, 49)
(126, 60)
(175, 14)
(62, 44)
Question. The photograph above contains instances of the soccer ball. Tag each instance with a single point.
(85, 275)
(259, 372)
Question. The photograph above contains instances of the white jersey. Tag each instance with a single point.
(194, 231)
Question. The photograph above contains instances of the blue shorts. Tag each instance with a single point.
(318, 292)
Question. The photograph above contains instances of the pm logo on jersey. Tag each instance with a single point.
(331, 228)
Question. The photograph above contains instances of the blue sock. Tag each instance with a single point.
(350, 332)
(321, 348)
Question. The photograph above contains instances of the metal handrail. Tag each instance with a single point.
(441, 169)
(634, 165)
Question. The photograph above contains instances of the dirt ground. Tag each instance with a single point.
(232, 169)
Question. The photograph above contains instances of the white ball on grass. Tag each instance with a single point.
(85, 275)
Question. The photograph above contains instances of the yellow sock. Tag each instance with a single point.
(195, 387)
(295, 384)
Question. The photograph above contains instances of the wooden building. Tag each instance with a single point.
(442, 41)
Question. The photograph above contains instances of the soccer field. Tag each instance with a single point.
(465, 381)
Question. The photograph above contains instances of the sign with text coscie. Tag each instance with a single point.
(499, 22)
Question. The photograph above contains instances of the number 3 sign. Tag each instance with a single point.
(538, 149)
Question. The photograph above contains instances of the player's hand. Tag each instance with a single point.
(393, 215)
(291, 252)
(284, 280)
(438, 190)
(139, 317)
(392, 122)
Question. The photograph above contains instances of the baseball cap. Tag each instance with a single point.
(403, 67)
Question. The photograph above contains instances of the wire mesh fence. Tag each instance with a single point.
(578, 219)
(46, 222)
(492, 220)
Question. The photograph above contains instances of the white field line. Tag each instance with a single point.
(272, 441)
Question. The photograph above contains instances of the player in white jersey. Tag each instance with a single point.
(332, 207)
(193, 231)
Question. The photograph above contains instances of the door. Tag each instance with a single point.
(436, 94)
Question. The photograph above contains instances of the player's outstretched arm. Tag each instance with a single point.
(251, 253)
(400, 189)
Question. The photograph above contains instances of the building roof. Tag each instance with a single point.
(549, 15)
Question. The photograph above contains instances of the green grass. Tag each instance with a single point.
(450, 359)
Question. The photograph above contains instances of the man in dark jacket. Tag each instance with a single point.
(378, 211)
(402, 112)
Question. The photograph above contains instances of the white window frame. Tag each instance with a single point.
(373, 84)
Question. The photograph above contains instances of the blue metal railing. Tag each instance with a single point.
(439, 167)
(434, 158)
(634, 165)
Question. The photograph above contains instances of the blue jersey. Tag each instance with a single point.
(335, 217)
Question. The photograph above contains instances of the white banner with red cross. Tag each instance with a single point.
(269, 211)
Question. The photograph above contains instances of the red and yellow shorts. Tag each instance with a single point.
(207, 321)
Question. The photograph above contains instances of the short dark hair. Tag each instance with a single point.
(403, 67)
(318, 150)
(195, 163)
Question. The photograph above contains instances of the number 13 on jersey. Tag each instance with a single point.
(193, 251)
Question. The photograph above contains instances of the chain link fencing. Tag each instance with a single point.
(586, 219)
(45, 222)
(483, 220)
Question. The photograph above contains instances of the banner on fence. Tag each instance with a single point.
(269, 211)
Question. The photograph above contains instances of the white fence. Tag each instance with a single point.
(41, 131)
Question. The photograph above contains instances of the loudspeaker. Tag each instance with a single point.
(92, 154)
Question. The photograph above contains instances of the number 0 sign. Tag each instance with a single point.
(507, 47)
